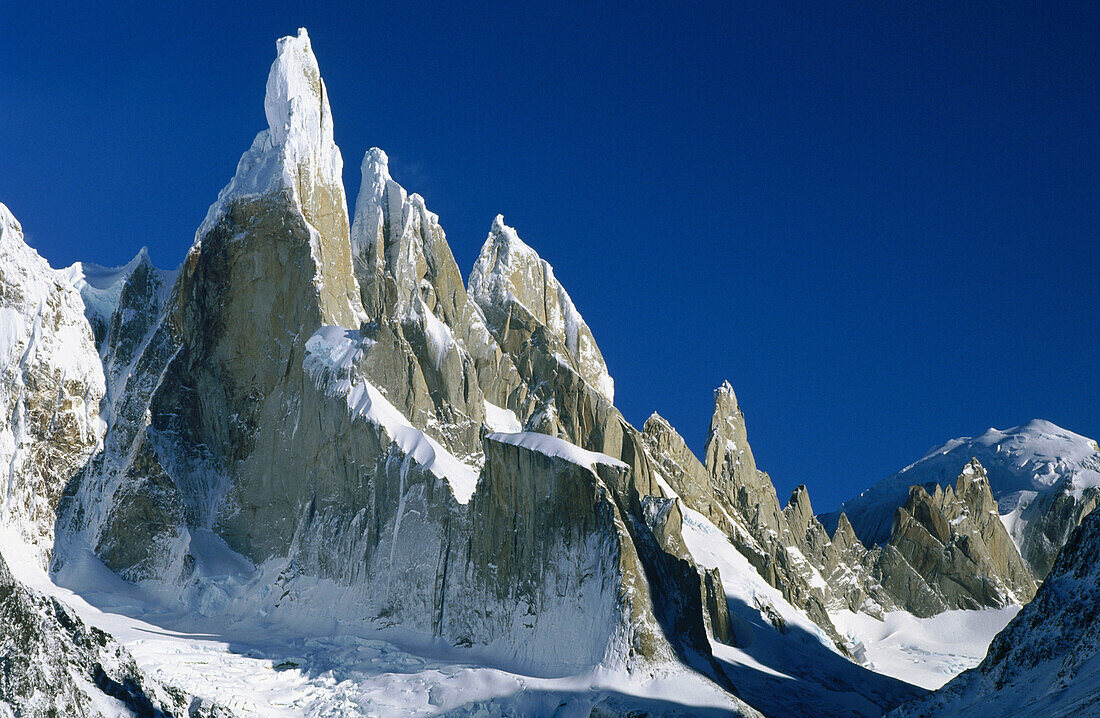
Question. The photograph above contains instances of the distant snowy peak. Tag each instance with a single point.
(509, 277)
(297, 152)
(10, 228)
(1028, 467)
(1042, 453)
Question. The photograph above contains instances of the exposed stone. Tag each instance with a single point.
(1044, 662)
(955, 541)
(52, 664)
(517, 291)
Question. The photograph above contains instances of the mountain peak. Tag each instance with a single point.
(505, 240)
(296, 102)
(509, 275)
(297, 151)
(9, 225)
(376, 165)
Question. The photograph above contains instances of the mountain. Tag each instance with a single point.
(51, 385)
(1047, 661)
(954, 540)
(313, 472)
(1045, 480)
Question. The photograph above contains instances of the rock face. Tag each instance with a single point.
(54, 665)
(518, 292)
(1047, 660)
(51, 384)
(948, 550)
(740, 499)
(1045, 480)
(124, 306)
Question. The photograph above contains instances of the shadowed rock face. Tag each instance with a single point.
(248, 297)
(54, 665)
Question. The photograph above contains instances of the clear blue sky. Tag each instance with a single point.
(879, 221)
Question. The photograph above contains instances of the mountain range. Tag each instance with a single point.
(314, 472)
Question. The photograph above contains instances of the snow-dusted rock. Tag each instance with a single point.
(51, 385)
(954, 539)
(124, 306)
(1046, 662)
(55, 665)
(415, 298)
(517, 291)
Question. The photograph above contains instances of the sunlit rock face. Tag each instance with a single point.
(954, 539)
(1045, 480)
(517, 291)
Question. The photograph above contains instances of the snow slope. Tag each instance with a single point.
(927, 652)
(783, 663)
(255, 665)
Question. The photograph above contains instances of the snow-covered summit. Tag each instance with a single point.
(393, 231)
(297, 151)
(9, 225)
(509, 274)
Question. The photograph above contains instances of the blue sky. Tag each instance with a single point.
(878, 221)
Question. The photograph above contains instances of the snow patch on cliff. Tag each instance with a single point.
(553, 446)
(331, 354)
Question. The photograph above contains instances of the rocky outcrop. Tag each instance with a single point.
(51, 385)
(954, 539)
(740, 500)
(948, 550)
(1045, 662)
(413, 294)
(52, 664)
